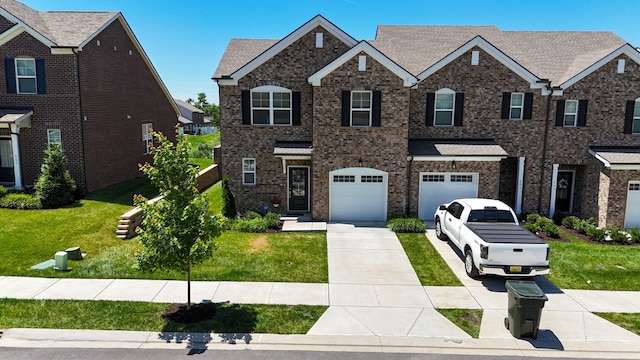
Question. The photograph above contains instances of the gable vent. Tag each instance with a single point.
(319, 40)
(475, 57)
(362, 63)
(621, 66)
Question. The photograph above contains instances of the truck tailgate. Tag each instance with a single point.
(510, 244)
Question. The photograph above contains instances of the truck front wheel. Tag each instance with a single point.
(469, 266)
(439, 232)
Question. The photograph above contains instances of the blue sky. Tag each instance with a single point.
(185, 39)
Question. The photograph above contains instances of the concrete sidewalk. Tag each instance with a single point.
(376, 303)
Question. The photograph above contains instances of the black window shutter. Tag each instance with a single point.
(346, 108)
(431, 103)
(376, 108)
(528, 106)
(582, 112)
(295, 111)
(246, 107)
(10, 71)
(506, 105)
(459, 107)
(40, 76)
(628, 117)
(560, 113)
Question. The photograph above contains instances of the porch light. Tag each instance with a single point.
(453, 164)
(360, 162)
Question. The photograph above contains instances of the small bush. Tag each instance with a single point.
(618, 236)
(585, 225)
(20, 201)
(228, 200)
(533, 218)
(3, 191)
(551, 230)
(250, 226)
(544, 221)
(203, 151)
(533, 227)
(635, 234)
(406, 225)
(570, 222)
(594, 233)
(250, 215)
(558, 216)
(272, 220)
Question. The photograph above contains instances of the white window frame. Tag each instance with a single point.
(271, 90)
(567, 113)
(636, 118)
(54, 136)
(436, 110)
(147, 139)
(248, 167)
(367, 110)
(19, 77)
(512, 106)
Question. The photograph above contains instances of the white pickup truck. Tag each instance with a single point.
(491, 239)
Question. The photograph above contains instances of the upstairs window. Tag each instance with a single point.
(570, 113)
(270, 105)
(248, 171)
(54, 136)
(636, 117)
(516, 106)
(361, 108)
(147, 139)
(632, 117)
(444, 108)
(25, 76)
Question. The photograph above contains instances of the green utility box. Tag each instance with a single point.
(526, 301)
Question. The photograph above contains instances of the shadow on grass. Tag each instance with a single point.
(122, 193)
(232, 323)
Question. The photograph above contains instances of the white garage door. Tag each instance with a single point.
(440, 188)
(632, 213)
(358, 194)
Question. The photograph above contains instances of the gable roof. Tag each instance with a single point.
(188, 107)
(238, 53)
(363, 46)
(276, 48)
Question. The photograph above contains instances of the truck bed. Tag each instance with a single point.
(504, 233)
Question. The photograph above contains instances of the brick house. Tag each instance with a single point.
(364, 130)
(80, 79)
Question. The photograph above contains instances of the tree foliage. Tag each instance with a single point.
(177, 230)
(228, 200)
(54, 187)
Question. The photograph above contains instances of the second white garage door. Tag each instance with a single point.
(358, 194)
(632, 213)
(440, 188)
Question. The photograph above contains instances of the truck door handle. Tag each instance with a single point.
(517, 250)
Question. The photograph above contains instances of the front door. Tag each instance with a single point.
(298, 189)
(564, 191)
(6, 162)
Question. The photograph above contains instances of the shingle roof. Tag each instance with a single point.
(446, 147)
(239, 52)
(63, 28)
(304, 148)
(618, 155)
(187, 106)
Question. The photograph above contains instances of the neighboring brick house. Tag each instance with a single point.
(80, 79)
(365, 130)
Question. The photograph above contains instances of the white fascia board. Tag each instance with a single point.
(408, 79)
(604, 161)
(19, 28)
(626, 49)
(457, 158)
(318, 20)
(491, 50)
(11, 34)
(611, 166)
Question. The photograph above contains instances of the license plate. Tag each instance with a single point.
(515, 269)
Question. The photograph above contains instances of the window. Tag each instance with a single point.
(371, 179)
(361, 108)
(636, 118)
(271, 106)
(54, 136)
(570, 112)
(455, 209)
(248, 171)
(344, 178)
(444, 105)
(517, 105)
(461, 178)
(26, 76)
(147, 139)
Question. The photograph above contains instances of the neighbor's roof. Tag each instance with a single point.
(62, 28)
(447, 147)
(187, 106)
(617, 157)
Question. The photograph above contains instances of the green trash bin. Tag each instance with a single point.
(526, 301)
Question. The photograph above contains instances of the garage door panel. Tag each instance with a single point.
(440, 188)
(632, 211)
(358, 197)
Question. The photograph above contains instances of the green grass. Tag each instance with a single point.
(468, 320)
(579, 264)
(627, 321)
(201, 163)
(195, 140)
(140, 316)
(431, 269)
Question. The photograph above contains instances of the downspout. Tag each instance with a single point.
(543, 159)
(409, 171)
(84, 163)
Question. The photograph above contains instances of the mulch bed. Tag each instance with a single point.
(178, 313)
(578, 235)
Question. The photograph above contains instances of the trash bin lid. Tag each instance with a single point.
(525, 289)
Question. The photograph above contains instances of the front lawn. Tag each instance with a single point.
(628, 321)
(580, 264)
(141, 316)
(430, 267)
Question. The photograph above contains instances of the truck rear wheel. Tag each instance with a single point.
(469, 266)
(439, 232)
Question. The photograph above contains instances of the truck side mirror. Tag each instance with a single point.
(442, 207)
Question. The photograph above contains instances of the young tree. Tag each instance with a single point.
(177, 230)
(228, 200)
(54, 187)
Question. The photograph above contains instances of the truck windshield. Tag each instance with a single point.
(490, 215)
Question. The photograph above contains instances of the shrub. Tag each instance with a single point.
(584, 225)
(635, 234)
(20, 201)
(544, 221)
(228, 200)
(203, 151)
(250, 215)
(272, 220)
(570, 222)
(250, 226)
(533, 218)
(558, 216)
(533, 227)
(594, 233)
(406, 225)
(618, 236)
(3, 191)
(551, 230)
(54, 187)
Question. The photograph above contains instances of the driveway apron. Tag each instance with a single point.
(373, 289)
